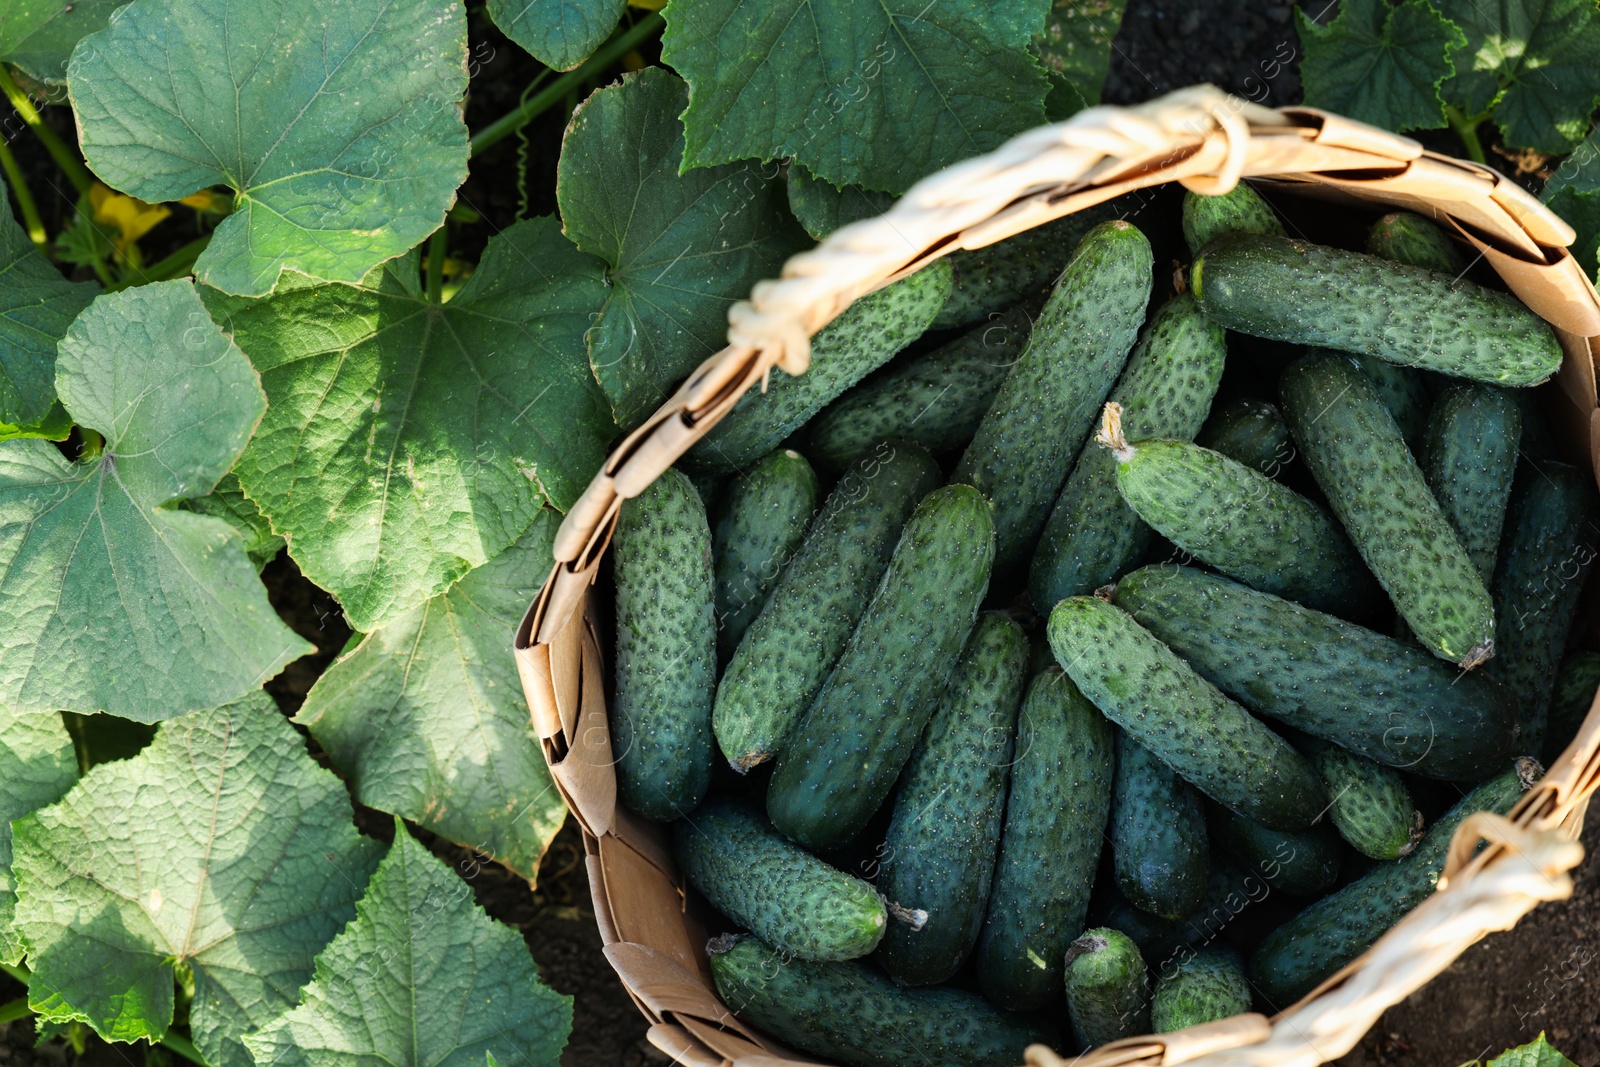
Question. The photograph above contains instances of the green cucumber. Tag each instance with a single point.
(1389, 701)
(1302, 864)
(1165, 391)
(1339, 927)
(846, 752)
(1251, 432)
(1240, 209)
(1469, 459)
(863, 338)
(1550, 543)
(1158, 834)
(1025, 445)
(1570, 700)
(1108, 992)
(1290, 290)
(1406, 237)
(1242, 523)
(1229, 890)
(852, 1015)
(938, 856)
(666, 650)
(936, 400)
(1217, 746)
(782, 894)
(1202, 988)
(1374, 486)
(791, 646)
(997, 276)
(1404, 395)
(763, 520)
(1050, 847)
(1370, 805)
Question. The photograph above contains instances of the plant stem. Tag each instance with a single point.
(437, 246)
(17, 1009)
(65, 157)
(24, 195)
(182, 1046)
(17, 971)
(1466, 129)
(607, 54)
(176, 264)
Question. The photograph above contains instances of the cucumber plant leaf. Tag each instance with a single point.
(111, 599)
(1579, 172)
(1379, 63)
(37, 766)
(421, 978)
(680, 248)
(558, 33)
(1536, 1053)
(877, 95)
(228, 503)
(223, 847)
(337, 124)
(1076, 51)
(407, 442)
(38, 35)
(1582, 212)
(425, 717)
(822, 207)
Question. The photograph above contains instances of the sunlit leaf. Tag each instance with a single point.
(1379, 63)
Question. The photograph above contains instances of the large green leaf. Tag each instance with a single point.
(406, 442)
(228, 503)
(39, 35)
(1579, 172)
(1379, 63)
(1076, 50)
(1582, 213)
(338, 123)
(37, 766)
(1536, 1053)
(681, 247)
(426, 717)
(222, 847)
(422, 978)
(821, 207)
(876, 95)
(559, 33)
(110, 600)
(1535, 62)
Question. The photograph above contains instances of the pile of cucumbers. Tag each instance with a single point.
(1000, 662)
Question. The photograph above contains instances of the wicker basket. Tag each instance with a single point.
(1207, 141)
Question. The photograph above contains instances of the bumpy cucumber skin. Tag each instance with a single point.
(1240, 209)
(1340, 926)
(1203, 988)
(1389, 701)
(1251, 432)
(996, 276)
(1370, 805)
(1158, 834)
(850, 1014)
(666, 650)
(852, 346)
(782, 894)
(1303, 864)
(1165, 391)
(1570, 700)
(939, 853)
(1408, 238)
(1289, 290)
(1470, 460)
(1188, 723)
(1025, 445)
(1229, 890)
(762, 523)
(1108, 992)
(1245, 525)
(788, 651)
(1374, 486)
(1403, 393)
(1055, 822)
(1549, 546)
(847, 750)
(936, 401)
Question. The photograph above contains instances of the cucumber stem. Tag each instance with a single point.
(24, 195)
(16, 1009)
(1466, 129)
(1110, 434)
(65, 158)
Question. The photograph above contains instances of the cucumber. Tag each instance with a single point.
(1240, 209)
(782, 894)
(1229, 890)
(1570, 700)
(936, 400)
(1158, 834)
(1469, 460)
(1404, 395)
(1025, 445)
(863, 338)
(1055, 823)
(1302, 864)
(1339, 927)
(1165, 391)
(1213, 743)
(1389, 701)
(666, 650)
(763, 520)
(1406, 237)
(1108, 992)
(852, 1015)
(938, 856)
(1251, 432)
(1204, 987)
(1242, 523)
(847, 750)
(997, 276)
(1289, 290)
(1374, 486)
(1550, 543)
(1370, 806)
(791, 646)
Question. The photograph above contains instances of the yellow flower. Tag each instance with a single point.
(204, 200)
(131, 218)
